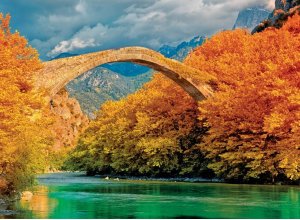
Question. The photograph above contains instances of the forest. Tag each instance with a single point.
(248, 132)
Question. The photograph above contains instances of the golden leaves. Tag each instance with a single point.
(274, 121)
(256, 108)
(24, 135)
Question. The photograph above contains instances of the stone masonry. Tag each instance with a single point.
(57, 73)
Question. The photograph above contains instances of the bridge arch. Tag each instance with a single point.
(56, 74)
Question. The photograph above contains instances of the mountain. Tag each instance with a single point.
(182, 50)
(179, 53)
(167, 51)
(283, 10)
(115, 81)
(286, 5)
(64, 55)
(251, 17)
(100, 84)
(126, 69)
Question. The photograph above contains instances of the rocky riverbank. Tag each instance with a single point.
(5, 206)
(6, 202)
(169, 179)
(66, 176)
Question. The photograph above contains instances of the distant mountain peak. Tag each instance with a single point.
(167, 50)
(251, 17)
(64, 55)
(183, 49)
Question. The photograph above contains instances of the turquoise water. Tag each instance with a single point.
(74, 196)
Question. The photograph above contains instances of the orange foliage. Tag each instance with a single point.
(21, 110)
(255, 113)
(253, 116)
(150, 132)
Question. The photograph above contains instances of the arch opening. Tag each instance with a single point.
(56, 74)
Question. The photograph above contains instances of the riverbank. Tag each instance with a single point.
(171, 179)
(142, 178)
(113, 177)
(5, 205)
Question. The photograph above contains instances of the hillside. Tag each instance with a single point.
(284, 9)
(100, 84)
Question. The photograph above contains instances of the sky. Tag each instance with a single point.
(80, 26)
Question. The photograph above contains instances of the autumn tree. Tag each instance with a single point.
(24, 137)
(253, 117)
(151, 132)
(255, 112)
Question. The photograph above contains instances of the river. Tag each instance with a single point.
(72, 195)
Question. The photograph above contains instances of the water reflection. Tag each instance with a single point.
(39, 206)
(81, 197)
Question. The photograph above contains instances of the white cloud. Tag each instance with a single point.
(271, 4)
(87, 25)
(85, 38)
(169, 21)
(81, 7)
(70, 45)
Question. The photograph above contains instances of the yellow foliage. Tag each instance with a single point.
(24, 137)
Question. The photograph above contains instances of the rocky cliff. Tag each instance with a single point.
(283, 10)
(251, 17)
(286, 5)
(69, 120)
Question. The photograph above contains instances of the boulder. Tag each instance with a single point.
(26, 195)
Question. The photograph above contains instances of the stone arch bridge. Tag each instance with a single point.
(57, 73)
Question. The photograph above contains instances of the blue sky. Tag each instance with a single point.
(79, 26)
